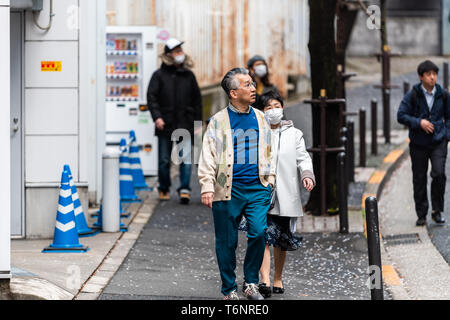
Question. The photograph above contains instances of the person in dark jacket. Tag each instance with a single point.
(175, 102)
(425, 110)
(259, 71)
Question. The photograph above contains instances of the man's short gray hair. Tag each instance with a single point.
(230, 82)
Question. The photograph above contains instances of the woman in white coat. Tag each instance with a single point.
(294, 166)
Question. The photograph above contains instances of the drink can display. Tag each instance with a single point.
(135, 90)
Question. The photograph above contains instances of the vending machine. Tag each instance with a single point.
(131, 59)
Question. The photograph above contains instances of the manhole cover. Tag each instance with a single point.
(398, 239)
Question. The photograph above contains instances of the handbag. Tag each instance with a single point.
(273, 194)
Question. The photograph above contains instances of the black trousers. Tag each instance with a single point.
(420, 156)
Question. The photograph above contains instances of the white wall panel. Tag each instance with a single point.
(66, 52)
(64, 24)
(51, 111)
(50, 154)
(5, 136)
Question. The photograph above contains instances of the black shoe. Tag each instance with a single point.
(436, 216)
(265, 290)
(421, 222)
(185, 198)
(278, 290)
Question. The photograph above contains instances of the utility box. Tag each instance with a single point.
(131, 59)
(34, 5)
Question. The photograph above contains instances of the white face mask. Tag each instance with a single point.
(274, 116)
(180, 59)
(261, 71)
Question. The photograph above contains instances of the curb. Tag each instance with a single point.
(374, 188)
(382, 174)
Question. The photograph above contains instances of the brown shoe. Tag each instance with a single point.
(164, 196)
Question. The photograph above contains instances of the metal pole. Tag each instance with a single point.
(374, 126)
(387, 115)
(362, 137)
(323, 154)
(373, 243)
(446, 75)
(111, 190)
(344, 143)
(351, 150)
(5, 142)
(343, 207)
(406, 87)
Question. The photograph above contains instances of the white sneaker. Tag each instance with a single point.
(232, 296)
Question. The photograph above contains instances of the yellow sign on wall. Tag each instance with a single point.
(51, 66)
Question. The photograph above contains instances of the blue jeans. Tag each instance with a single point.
(165, 145)
(253, 201)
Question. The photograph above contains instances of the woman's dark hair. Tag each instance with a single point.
(266, 79)
(426, 66)
(271, 95)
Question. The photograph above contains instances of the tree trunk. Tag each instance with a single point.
(322, 48)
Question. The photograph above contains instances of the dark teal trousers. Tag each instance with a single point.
(253, 201)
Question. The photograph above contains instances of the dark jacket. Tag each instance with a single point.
(411, 115)
(173, 94)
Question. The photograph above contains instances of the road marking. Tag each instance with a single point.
(377, 177)
(390, 276)
(393, 156)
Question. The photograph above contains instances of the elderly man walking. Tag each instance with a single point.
(237, 173)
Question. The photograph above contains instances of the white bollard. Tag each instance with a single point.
(111, 191)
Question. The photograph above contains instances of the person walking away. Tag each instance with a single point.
(175, 102)
(293, 167)
(259, 70)
(236, 173)
(425, 111)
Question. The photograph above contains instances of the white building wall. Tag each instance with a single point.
(61, 109)
(5, 159)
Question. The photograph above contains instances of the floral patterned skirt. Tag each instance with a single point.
(278, 232)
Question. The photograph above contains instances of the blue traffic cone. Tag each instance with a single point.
(123, 213)
(135, 164)
(66, 235)
(127, 193)
(99, 223)
(80, 219)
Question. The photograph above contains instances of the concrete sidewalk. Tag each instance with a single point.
(418, 271)
(67, 276)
